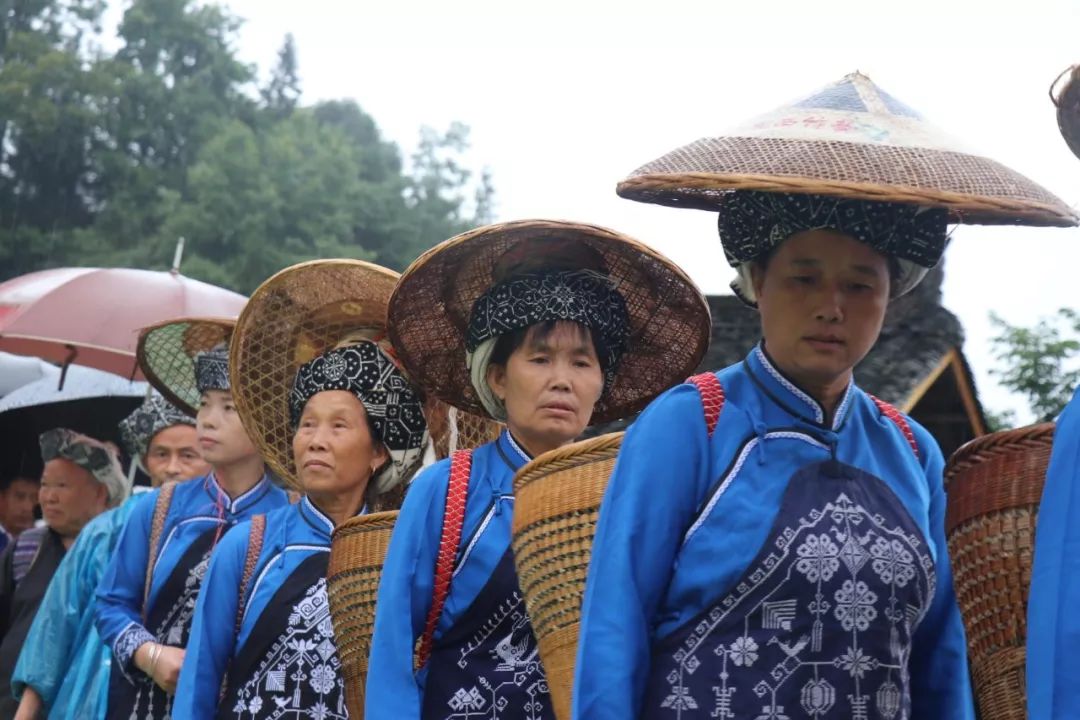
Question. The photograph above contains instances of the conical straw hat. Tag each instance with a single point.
(850, 139)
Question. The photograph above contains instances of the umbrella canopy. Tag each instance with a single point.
(91, 402)
(81, 383)
(18, 370)
(92, 316)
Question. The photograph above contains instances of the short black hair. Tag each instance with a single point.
(506, 344)
(8, 480)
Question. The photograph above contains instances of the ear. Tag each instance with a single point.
(757, 278)
(379, 458)
(496, 380)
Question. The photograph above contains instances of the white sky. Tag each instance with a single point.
(566, 98)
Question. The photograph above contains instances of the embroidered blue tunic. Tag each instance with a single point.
(484, 662)
(283, 663)
(1053, 639)
(199, 511)
(782, 568)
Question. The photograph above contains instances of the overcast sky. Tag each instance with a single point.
(566, 98)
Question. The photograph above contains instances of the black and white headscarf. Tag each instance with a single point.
(585, 297)
(97, 458)
(753, 223)
(212, 369)
(394, 409)
(150, 418)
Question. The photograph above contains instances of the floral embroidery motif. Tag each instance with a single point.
(300, 675)
(820, 625)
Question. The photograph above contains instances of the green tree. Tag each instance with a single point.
(106, 159)
(282, 93)
(1039, 362)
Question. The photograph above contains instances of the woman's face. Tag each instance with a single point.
(549, 386)
(333, 448)
(222, 437)
(822, 299)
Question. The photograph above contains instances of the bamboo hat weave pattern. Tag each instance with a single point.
(850, 139)
(167, 354)
(430, 310)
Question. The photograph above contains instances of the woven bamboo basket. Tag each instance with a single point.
(994, 484)
(1067, 100)
(556, 505)
(356, 559)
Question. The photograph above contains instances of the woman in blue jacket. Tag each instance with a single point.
(262, 644)
(772, 542)
(547, 327)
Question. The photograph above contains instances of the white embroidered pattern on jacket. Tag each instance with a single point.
(837, 572)
(517, 666)
(178, 620)
(305, 654)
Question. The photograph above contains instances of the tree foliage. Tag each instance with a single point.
(1039, 362)
(107, 158)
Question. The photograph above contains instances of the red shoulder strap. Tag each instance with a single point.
(899, 420)
(453, 519)
(712, 397)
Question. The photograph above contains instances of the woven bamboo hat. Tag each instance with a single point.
(293, 317)
(854, 140)
(166, 354)
(1067, 100)
(430, 309)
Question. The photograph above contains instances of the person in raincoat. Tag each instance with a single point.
(63, 668)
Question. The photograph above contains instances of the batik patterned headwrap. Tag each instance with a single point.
(94, 456)
(212, 369)
(150, 418)
(585, 297)
(394, 410)
(752, 224)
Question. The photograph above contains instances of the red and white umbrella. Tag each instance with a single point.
(92, 316)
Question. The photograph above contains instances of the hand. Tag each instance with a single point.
(160, 662)
(29, 706)
(166, 672)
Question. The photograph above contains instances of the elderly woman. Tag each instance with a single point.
(547, 327)
(262, 643)
(798, 566)
(63, 667)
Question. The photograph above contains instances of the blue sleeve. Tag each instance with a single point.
(1053, 630)
(47, 651)
(213, 631)
(940, 682)
(405, 592)
(118, 611)
(661, 471)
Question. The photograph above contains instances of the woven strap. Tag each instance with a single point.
(254, 548)
(712, 397)
(157, 526)
(453, 520)
(899, 420)
(251, 558)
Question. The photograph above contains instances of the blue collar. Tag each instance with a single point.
(511, 452)
(790, 397)
(241, 502)
(319, 520)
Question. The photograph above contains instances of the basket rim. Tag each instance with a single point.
(575, 454)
